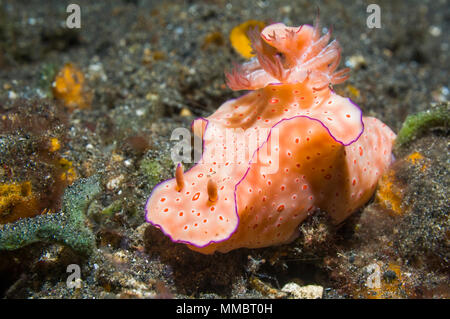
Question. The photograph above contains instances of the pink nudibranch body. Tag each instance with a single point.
(323, 154)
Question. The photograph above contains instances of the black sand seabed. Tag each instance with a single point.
(145, 62)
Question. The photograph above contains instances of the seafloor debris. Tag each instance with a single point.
(69, 87)
(67, 226)
(146, 72)
(33, 139)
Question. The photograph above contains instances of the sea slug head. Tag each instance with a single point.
(289, 55)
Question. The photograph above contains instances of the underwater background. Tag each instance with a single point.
(86, 116)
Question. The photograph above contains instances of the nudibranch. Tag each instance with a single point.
(275, 155)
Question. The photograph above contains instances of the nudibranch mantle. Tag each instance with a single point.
(275, 155)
